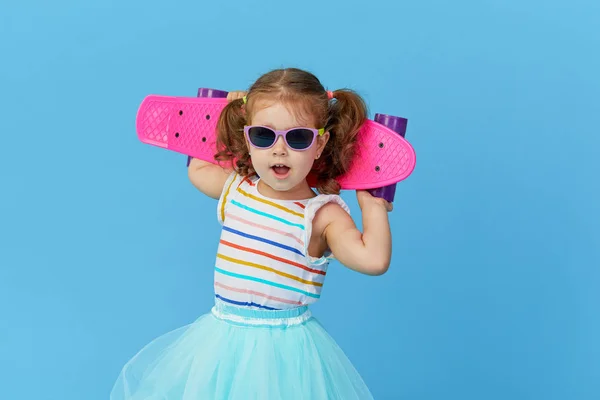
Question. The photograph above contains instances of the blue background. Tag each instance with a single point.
(494, 288)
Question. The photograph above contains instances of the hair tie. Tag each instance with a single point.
(329, 94)
(245, 99)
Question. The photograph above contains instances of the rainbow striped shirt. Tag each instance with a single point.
(262, 259)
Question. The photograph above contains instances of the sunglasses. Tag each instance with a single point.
(263, 137)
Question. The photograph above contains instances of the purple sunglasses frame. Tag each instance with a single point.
(283, 134)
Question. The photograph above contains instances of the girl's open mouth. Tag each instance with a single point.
(280, 171)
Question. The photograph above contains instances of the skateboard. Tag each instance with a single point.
(187, 125)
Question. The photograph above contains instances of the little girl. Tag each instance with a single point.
(284, 136)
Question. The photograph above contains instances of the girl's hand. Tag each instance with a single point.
(235, 95)
(365, 199)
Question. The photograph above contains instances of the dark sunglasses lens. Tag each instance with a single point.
(299, 139)
(261, 137)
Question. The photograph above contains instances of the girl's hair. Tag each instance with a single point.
(306, 97)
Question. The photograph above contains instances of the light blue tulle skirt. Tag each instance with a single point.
(240, 353)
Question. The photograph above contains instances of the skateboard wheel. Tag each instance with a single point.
(209, 93)
(398, 125)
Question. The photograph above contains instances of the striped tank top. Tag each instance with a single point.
(262, 259)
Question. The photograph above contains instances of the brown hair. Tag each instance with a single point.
(342, 117)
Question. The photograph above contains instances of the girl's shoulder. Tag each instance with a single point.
(319, 212)
(234, 185)
(324, 201)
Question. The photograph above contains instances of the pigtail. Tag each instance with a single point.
(347, 113)
(231, 145)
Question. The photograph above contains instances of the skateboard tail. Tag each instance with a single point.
(152, 122)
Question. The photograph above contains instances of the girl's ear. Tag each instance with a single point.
(321, 142)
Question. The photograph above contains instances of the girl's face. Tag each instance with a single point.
(281, 168)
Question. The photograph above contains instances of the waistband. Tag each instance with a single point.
(244, 316)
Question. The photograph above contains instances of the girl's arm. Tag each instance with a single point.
(207, 177)
(368, 252)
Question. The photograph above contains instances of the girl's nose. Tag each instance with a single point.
(279, 148)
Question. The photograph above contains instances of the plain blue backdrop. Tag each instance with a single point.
(494, 289)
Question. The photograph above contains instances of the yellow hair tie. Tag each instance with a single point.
(245, 99)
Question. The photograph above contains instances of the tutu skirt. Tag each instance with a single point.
(236, 353)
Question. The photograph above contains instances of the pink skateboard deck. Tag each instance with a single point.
(187, 125)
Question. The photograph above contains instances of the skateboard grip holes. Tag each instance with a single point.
(177, 134)
(377, 168)
(381, 145)
(207, 117)
(203, 139)
(180, 112)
